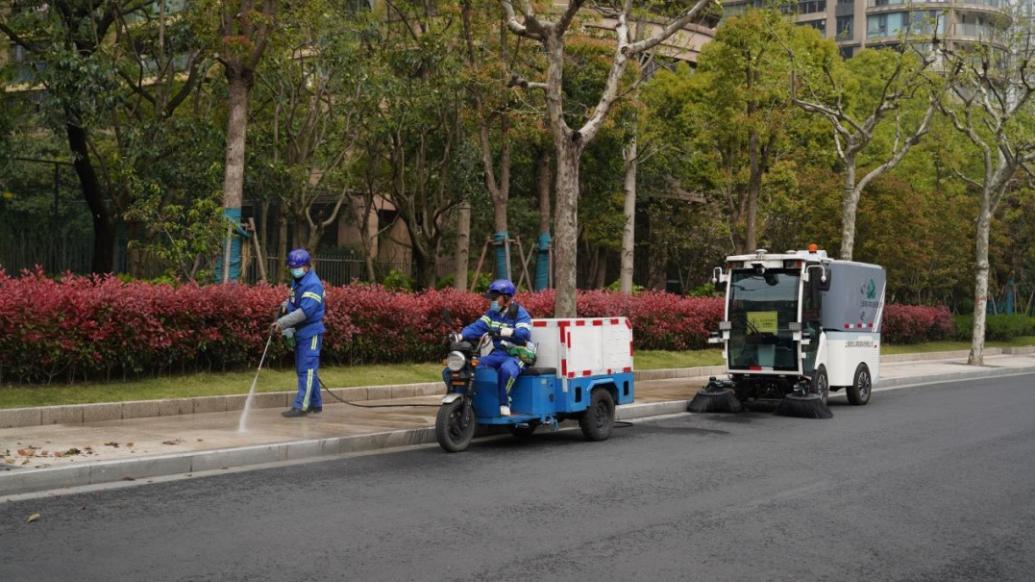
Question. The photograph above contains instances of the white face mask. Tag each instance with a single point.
(298, 272)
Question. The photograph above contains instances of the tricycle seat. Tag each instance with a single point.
(539, 371)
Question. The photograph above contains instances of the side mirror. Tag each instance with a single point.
(719, 279)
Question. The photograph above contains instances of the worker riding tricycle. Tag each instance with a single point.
(507, 370)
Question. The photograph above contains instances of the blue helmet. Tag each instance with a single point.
(298, 258)
(501, 287)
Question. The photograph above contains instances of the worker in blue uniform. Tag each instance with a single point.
(302, 321)
(504, 321)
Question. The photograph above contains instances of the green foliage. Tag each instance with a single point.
(997, 327)
(396, 280)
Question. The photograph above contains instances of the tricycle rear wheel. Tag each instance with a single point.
(598, 420)
(450, 431)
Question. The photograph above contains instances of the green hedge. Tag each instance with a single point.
(997, 327)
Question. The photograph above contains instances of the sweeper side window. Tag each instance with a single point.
(762, 307)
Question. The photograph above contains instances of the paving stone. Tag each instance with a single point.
(15, 417)
(102, 411)
(209, 404)
(139, 409)
(62, 415)
(175, 406)
(271, 400)
(403, 391)
(236, 402)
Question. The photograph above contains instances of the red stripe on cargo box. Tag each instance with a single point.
(627, 370)
(564, 367)
(630, 348)
(587, 373)
(538, 324)
(628, 323)
(580, 322)
(572, 375)
(598, 322)
(614, 321)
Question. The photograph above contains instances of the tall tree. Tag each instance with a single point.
(569, 142)
(859, 103)
(245, 27)
(990, 102)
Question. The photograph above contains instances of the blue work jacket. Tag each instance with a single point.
(307, 295)
(521, 323)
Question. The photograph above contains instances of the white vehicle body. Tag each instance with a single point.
(789, 315)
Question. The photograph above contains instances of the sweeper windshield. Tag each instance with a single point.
(762, 307)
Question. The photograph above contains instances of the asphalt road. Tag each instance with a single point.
(930, 484)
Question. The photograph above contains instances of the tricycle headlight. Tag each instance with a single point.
(455, 361)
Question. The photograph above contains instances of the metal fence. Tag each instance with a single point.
(333, 269)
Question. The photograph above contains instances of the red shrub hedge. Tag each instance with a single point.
(907, 324)
(99, 327)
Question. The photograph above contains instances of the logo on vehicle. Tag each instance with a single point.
(869, 289)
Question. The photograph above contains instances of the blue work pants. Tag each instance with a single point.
(307, 364)
(507, 367)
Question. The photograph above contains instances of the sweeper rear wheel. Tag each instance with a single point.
(862, 385)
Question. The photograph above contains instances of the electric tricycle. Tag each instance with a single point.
(545, 394)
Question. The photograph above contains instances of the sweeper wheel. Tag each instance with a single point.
(821, 384)
(862, 386)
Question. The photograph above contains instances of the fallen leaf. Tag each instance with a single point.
(129, 444)
(26, 452)
(128, 478)
(25, 462)
(59, 454)
(112, 444)
(73, 451)
(199, 440)
(172, 442)
(33, 518)
(9, 461)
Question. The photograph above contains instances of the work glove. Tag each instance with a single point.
(506, 332)
(455, 337)
(289, 337)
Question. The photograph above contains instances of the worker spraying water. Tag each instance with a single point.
(302, 326)
(797, 326)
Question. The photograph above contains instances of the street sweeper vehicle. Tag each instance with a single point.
(579, 369)
(797, 326)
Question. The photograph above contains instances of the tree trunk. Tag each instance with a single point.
(544, 178)
(463, 245)
(984, 227)
(233, 177)
(754, 188)
(629, 229)
(566, 215)
(849, 205)
(103, 260)
(600, 276)
(282, 242)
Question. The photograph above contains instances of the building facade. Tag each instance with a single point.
(855, 24)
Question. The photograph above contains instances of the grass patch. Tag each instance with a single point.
(660, 359)
(948, 346)
(213, 384)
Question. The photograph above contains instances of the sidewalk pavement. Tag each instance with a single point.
(37, 458)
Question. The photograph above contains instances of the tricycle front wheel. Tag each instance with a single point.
(598, 420)
(452, 430)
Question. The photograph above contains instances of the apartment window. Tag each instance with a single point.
(846, 52)
(820, 25)
(810, 6)
(844, 26)
(845, 2)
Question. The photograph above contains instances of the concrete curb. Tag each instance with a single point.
(17, 482)
(34, 480)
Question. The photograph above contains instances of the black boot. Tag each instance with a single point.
(292, 413)
(315, 409)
